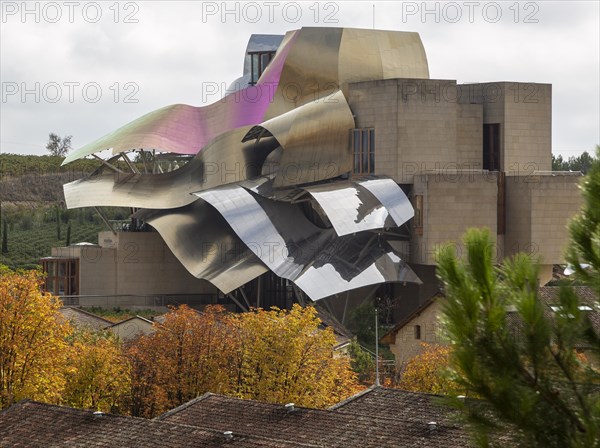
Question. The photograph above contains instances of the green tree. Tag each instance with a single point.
(5, 237)
(531, 381)
(581, 163)
(58, 146)
(68, 239)
(58, 223)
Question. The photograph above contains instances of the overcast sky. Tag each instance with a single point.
(87, 68)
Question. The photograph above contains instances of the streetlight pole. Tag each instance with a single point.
(377, 384)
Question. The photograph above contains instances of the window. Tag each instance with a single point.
(258, 64)
(418, 218)
(62, 276)
(417, 332)
(362, 142)
(491, 147)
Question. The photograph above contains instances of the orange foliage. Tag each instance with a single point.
(426, 372)
(277, 356)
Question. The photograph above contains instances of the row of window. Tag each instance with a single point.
(62, 277)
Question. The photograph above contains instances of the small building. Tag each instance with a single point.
(82, 319)
(423, 326)
(132, 328)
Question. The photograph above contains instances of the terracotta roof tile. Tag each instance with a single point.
(328, 428)
(30, 424)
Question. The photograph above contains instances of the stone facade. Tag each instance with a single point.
(134, 264)
(469, 155)
(422, 326)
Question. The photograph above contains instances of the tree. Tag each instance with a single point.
(68, 239)
(426, 371)
(97, 373)
(32, 340)
(5, 237)
(531, 381)
(57, 146)
(581, 163)
(185, 357)
(276, 356)
(362, 363)
(58, 223)
(584, 230)
(282, 356)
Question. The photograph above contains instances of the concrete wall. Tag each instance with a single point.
(132, 263)
(452, 202)
(538, 208)
(434, 124)
(145, 265)
(524, 112)
(415, 123)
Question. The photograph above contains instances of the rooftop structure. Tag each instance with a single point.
(377, 417)
(339, 168)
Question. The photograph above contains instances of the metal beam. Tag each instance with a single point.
(110, 165)
(131, 166)
(231, 296)
(108, 224)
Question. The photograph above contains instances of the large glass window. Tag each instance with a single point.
(363, 148)
(258, 63)
(62, 277)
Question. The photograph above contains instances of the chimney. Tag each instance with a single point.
(290, 407)
(228, 435)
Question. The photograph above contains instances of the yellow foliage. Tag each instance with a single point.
(32, 340)
(185, 357)
(97, 373)
(282, 356)
(276, 356)
(426, 372)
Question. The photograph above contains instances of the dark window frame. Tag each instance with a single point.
(63, 271)
(257, 61)
(362, 145)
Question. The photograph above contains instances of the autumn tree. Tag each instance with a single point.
(97, 372)
(282, 356)
(426, 372)
(32, 340)
(276, 356)
(186, 356)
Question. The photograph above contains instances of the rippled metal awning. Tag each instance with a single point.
(268, 186)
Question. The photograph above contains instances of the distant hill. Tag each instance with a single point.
(32, 205)
(27, 178)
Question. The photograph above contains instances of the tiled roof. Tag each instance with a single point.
(549, 296)
(397, 404)
(327, 428)
(84, 319)
(30, 424)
